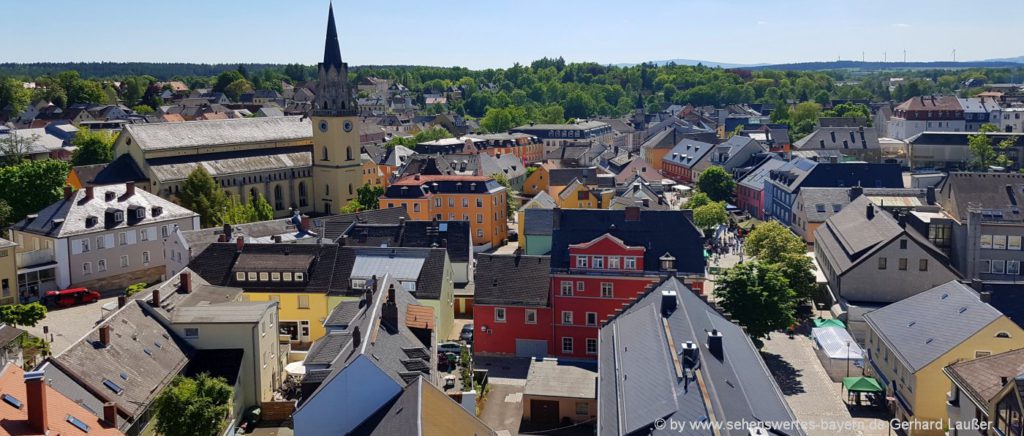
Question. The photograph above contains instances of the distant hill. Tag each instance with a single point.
(691, 62)
(89, 70)
(1018, 59)
(879, 66)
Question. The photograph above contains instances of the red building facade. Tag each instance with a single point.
(497, 329)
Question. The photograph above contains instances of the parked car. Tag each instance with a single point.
(71, 297)
(467, 333)
(449, 347)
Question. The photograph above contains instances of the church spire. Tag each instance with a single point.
(332, 50)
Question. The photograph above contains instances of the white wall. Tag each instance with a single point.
(346, 401)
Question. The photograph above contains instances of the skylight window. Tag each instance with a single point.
(78, 423)
(16, 403)
(124, 376)
(117, 389)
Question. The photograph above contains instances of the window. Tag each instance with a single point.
(582, 407)
(566, 317)
(999, 242)
(264, 276)
(299, 277)
(101, 265)
(479, 233)
(903, 264)
(191, 332)
(122, 238)
(581, 261)
(87, 268)
(499, 314)
(451, 202)
(598, 262)
(984, 266)
(566, 288)
(903, 244)
(607, 289)
(100, 243)
(85, 245)
(275, 276)
(986, 241)
(998, 267)
(1013, 243)
(591, 318)
(479, 202)
(613, 262)
(923, 265)
(978, 354)
(78, 423)
(1013, 267)
(630, 263)
(567, 345)
(820, 208)
(465, 202)
(882, 262)
(303, 300)
(145, 258)
(591, 349)
(240, 276)
(323, 154)
(124, 261)
(164, 231)
(479, 218)
(531, 316)
(144, 234)
(580, 286)
(287, 276)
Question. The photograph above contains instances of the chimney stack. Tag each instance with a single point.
(691, 355)
(389, 310)
(668, 302)
(35, 389)
(105, 335)
(239, 243)
(977, 285)
(121, 301)
(870, 211)
(68, 193)
(715, 344)
(227, 232)
(930, 195)
(856, 191)
(129, 189)
(156, 298)
(110, 414)
(185, 282)
(305, 223)
(985, 297)
(88, 194)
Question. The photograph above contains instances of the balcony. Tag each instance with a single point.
(35, 258)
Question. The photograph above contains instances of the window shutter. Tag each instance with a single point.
(108, 241)
(151, 232)
(130, 237)
(76, 246)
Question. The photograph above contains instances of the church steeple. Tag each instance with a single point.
(332, 49)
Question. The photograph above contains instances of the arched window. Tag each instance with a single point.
(278, 198)
(323, 154)
(1003, 335)
(302, 194)
(349, 189)
(327, 189)
(252, 194)
(348, 153)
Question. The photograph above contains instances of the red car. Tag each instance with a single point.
(71, 297)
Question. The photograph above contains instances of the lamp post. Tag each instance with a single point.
(847, 358)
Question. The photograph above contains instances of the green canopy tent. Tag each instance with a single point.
(855, 386)
(826, 323)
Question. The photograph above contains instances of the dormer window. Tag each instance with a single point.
(299, 277)
(157, 210)
(581, 261)
(119, 216)
(109, 196)
(286, 276)
(240, 276)
(251, 276)
(140, 213)
(91, 221)
(264, 276)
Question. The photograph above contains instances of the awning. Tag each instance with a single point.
(827, 323)
(837, 344)
(861, 384)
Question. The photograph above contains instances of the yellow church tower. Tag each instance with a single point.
(335, 117)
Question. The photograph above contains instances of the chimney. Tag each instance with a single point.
(35, 389)
(222, 238)
(227, 232)
(715, 344)
(1003, 380)
(121, 301)
(357, 337)
(129, 189)
(156, 297)
(389, 310)
(88, 194)
(870, 211)
(691, 355)
(977, 285)
(632, 213)
(277, 239)
(669, 302)
(110, 414)
(855, 192)
(105, 335)
(185, 282)
(930, 195)
(239, 244)
(68, 193)
(985, 297)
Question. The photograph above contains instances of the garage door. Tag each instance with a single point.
(531, 348)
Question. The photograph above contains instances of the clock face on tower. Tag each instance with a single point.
(347, 125)
(323, 125)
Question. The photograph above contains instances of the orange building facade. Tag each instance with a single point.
(479, 200)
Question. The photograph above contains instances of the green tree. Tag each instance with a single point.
(32, 185)
(709, 216)
(773, 243)
(803, 117)
(352, 206)
(14, 95)
(202, 195)
(510, 203)
(758, 296)
(262, 210)
(717, 183)
(142, 109)
(92, 147)
(27, 315)
(226, 78)
(498, 120)
(193, 406)
(14, 147)
(983, 153)
(235, 89)
(698, 199)
(5, 214)
(134, 289)
(552, 114)
(368, 196)
(853, 110)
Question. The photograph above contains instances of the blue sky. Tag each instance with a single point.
(498, 33)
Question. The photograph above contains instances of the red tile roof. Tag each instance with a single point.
(14, 421)
(417, 316)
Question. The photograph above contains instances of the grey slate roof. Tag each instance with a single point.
(756, 177)
(821, 203)
(512, 280)
(337, 225)
(68, 217)
(565, 176)
(555, 378)
(541, 201)
(923, 327)
(638, 383)
(190, 134)
(839, 138)
(996, 194)
(688, 152)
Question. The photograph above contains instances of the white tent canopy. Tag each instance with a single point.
(836, 343)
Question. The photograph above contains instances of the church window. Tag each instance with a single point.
(324, 155)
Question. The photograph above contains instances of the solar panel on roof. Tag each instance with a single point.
(12, 401)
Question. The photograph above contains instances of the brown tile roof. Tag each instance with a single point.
(14, 421)
(418, 316)
(931, 102)
(174, 118)
(982, 378)
(413, 181)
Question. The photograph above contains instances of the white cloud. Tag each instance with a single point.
(901, 25)
(761, 22)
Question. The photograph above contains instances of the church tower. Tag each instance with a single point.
(336, 163)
